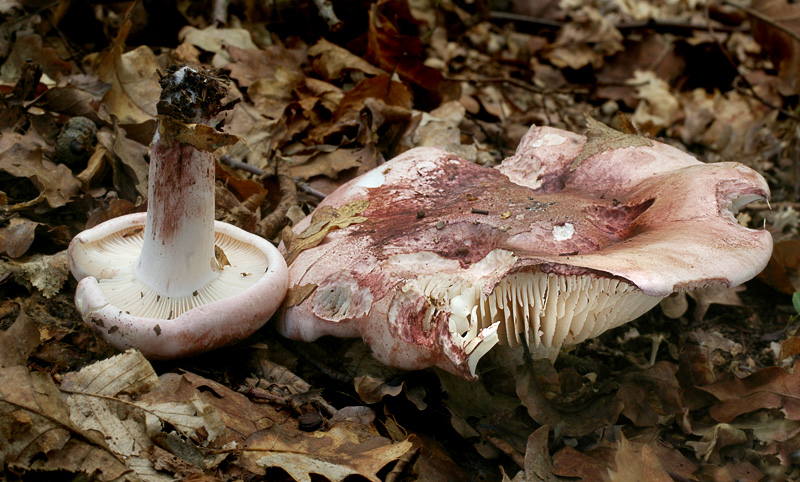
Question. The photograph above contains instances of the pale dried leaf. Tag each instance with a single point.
(45, 272)
(134, 82)
(193, 418)
(344, 450)
(633, 464)
(215, 40)
(23, 158)
(33, 419)
(19, 341)
(96, 402)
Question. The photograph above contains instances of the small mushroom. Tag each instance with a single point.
(173, 282)
(560, 243)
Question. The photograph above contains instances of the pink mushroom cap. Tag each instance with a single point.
(454, 258)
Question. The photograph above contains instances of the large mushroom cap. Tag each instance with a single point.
(128, 313)
(562, 241)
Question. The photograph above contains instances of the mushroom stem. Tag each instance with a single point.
(177, 257)
(178, 252)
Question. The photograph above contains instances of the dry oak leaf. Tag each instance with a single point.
(241, 416)
(346, 449)
(36, 433)
(18, 341)
(540, 390)
(323, 220)
(783, 270)
(538, 466)
(768, 388)
(715, 294)
(17, 237)
(601, 138)
(392, 48)
(767, 18)
(650, 394)
(22, 158)
(216, 40)
(128, 162)
(133, 77)
(47, 273)
(249, 65)
(632, 464)
(333, 62)
(33, 419)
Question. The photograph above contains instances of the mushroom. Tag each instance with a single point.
(566, 239)
(173, 282)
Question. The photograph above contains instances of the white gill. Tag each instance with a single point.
(125, 291)
(543, 311)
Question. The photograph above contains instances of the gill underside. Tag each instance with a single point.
(540, 310)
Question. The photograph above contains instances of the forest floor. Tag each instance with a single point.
(709, 393)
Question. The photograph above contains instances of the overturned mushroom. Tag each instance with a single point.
(173, 282)
(450, 258)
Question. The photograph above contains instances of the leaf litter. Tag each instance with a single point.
(706, 393)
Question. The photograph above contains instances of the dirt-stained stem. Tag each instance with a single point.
(178, 253)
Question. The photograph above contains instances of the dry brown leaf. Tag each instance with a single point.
(782, 48)
(586, 40)
(379, 87)
(783, 270)
(72, 101)
(272, 95)
(33, 419)
(736, 471)
(31, 47)
(539, 390)
(46, 273)
(330, 164)
(394, 47)
(81, 458)
(715, 294)
(241, 416)
(333, 62)
(17, 237)
(714, 440)
(134, 82)
(128, 162)
(568, 462)
(249, 65)
(538, 466)
(322, 221)
(440, 128)
(92, 389)
(789, 347)
(638, 55)
(372, 390)
(18, 341)
(632, 464)
(768, 388)
(347, 448)
(650, 394)
(216, 40)
(23, 158)
(658, 106)
(601, 138)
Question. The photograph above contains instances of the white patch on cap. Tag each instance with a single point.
(563, 232)
(549, 139)
(373, 178)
